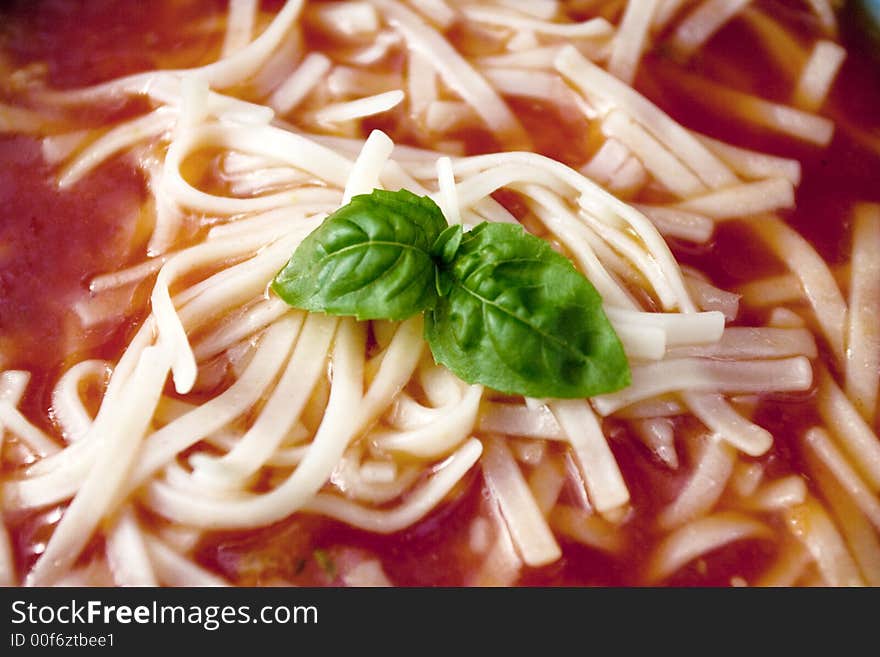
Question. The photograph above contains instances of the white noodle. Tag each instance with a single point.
(348, 18)
(658, 435)
(67, 404)
(788, 568)
(780, 494)
(704, 487)
(239, 25)
(811, 525)
(709, 297)
(533, 58)
(825, 13)
(127, 553)
(118, 139)
(364, 176)
(850, 429)
(820, 443)
(448, 198)
(437, 11)
(452, 426)
(629, 41)
(546, 480)
(456, 72)
(858, 531)
(518, 420)
(818, 282)
(608, 159)
(173, 569)
(600, 471)
(418, 503)
(662, 164)
(666, 11)
(703, 22)
(781, 118)
(528, 529)
(591, 29)
(746, 342)
(714, 411)
(609, 93)
(586, 528)
(702, 536)
(743, 200)
(297, 86)
(360, 108)
(13, 421)
(818, 75)
(7, 561)
(699, 375)
(863, 330)
(689, 329)
(422, 82)
(672, 222)
(100, 489)
(754, 164)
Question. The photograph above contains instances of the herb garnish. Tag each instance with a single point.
(502, 308)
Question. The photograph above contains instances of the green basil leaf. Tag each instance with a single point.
(370, 259)
(447, 244)
(521, 319)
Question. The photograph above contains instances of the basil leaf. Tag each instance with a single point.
(521, 319)
(446, 246)
(370, 259)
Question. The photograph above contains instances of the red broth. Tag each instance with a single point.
(52, 242)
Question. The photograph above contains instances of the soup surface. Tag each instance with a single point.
(760, 466)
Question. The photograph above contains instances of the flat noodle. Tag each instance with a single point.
(608, 93)
(127, 552)
(788, 568)
(852, 432)
(863, 331)
(173, 569)
(629, 42)
(239, 25)
(753, 164)
(820, 443)
(605, 484)
(297, 86)
(528, 529)
(705, 486)
(662, 164)
(855, 527)
(811, 525)
(699, 375)
(818, 282)
(103, 484)
(7, 562)
(703, 22)
(780, 118)
(743, 200)
(457, 73)
(700, 537)
(585, 528)
(818, 75)
(658, 435)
